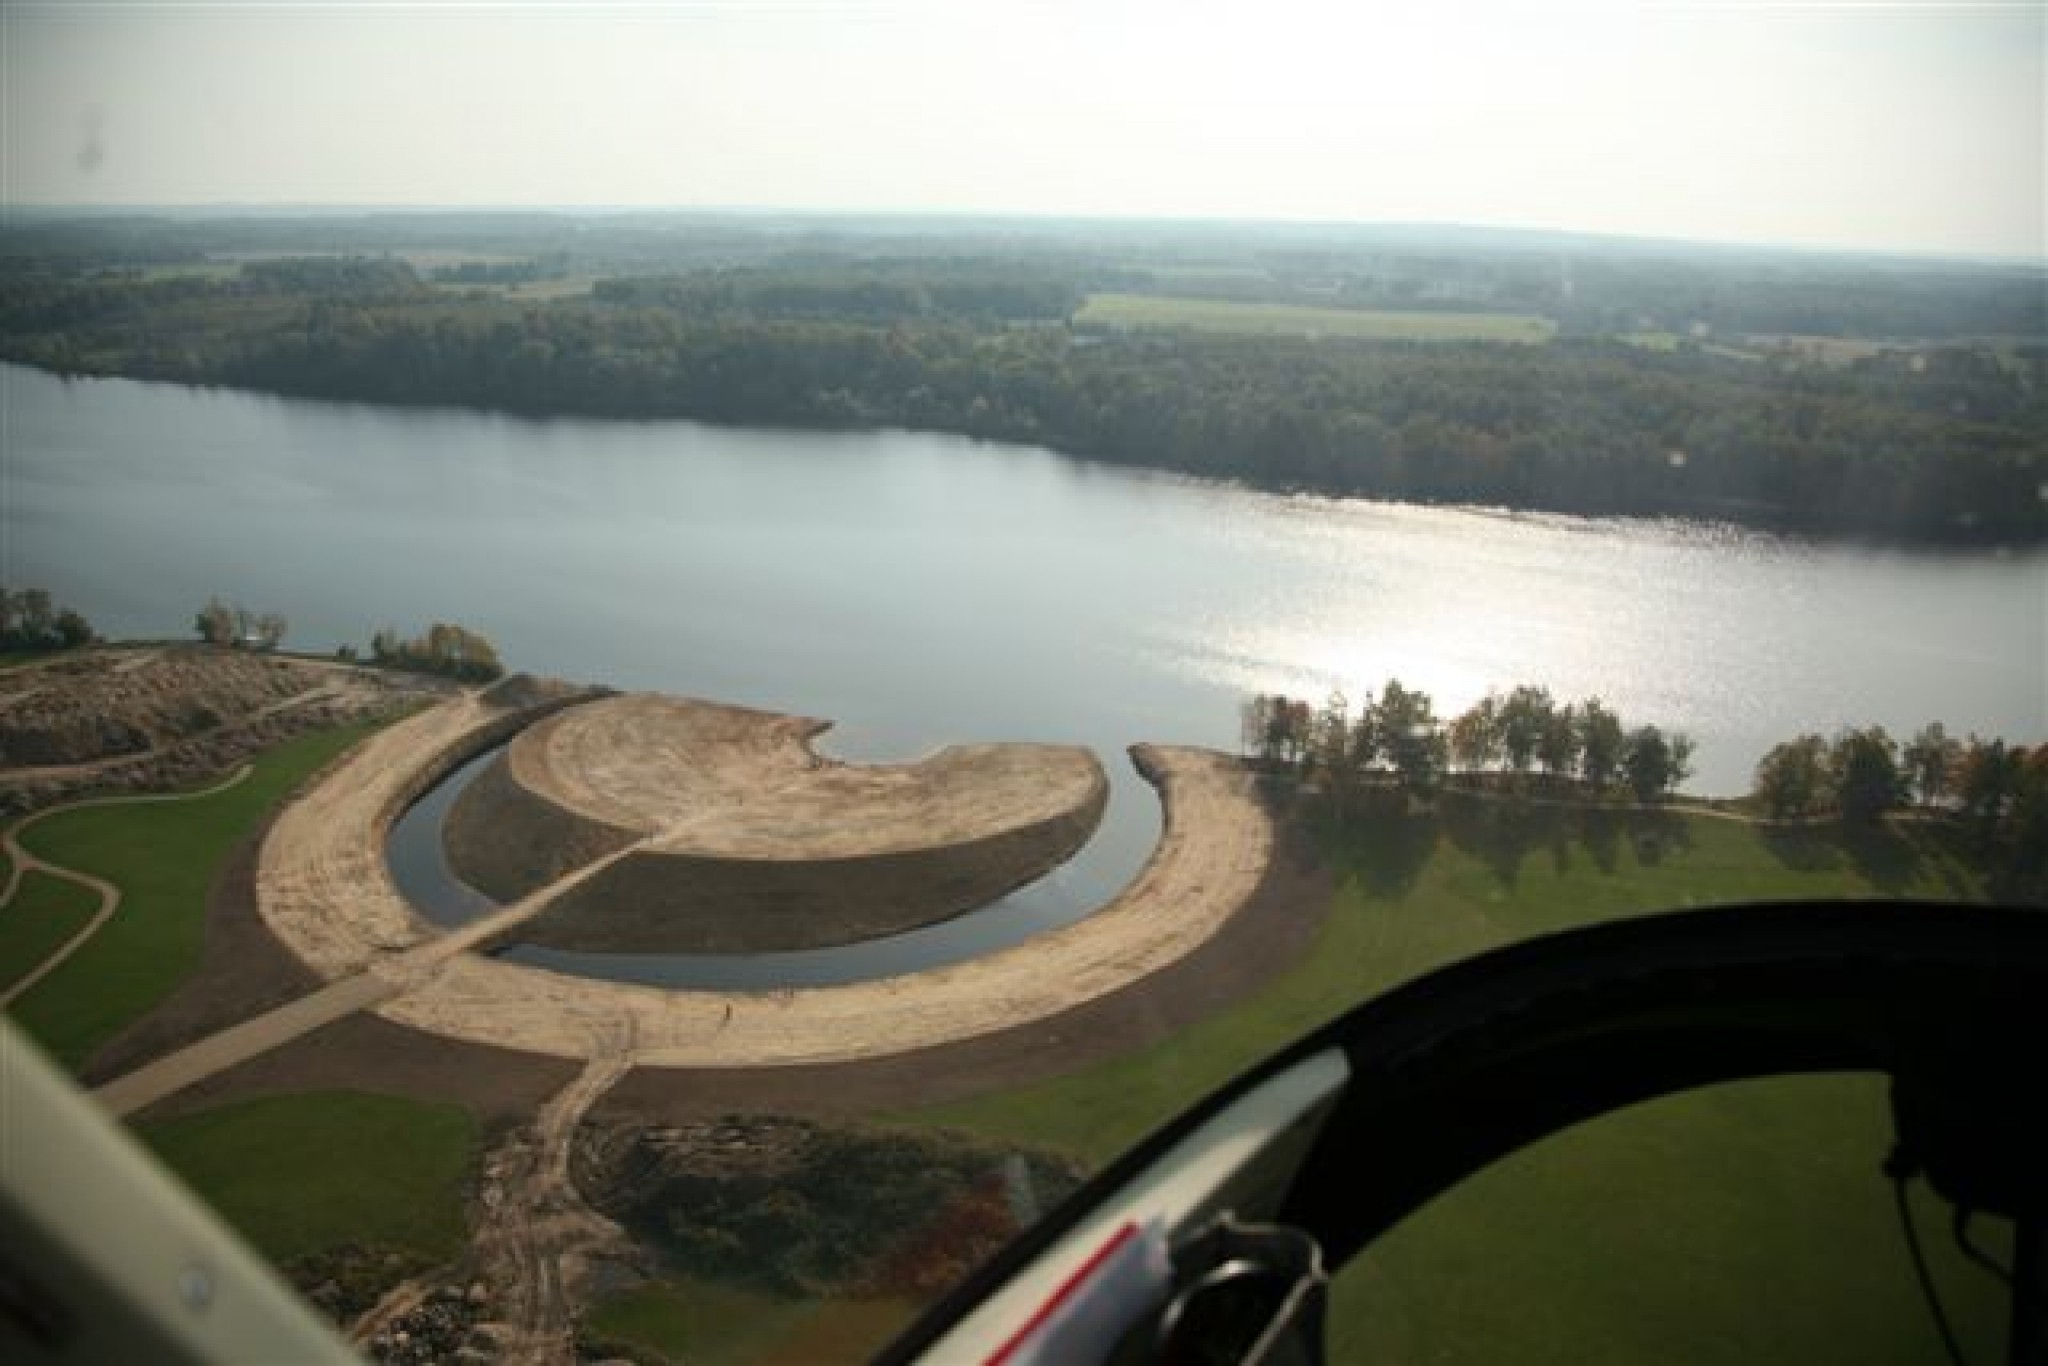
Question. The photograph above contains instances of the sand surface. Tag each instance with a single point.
(731, 782)
(323, 887)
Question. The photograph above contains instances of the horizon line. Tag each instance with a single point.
(315, 208)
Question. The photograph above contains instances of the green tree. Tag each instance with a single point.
(1332, 744)
(215, 623)
(1475, 736)
(1600, 744)
(1557, 748)
(1654, 763)
(1793, 781)
(1986, 781)
(1931, 760)
(1524, 716)
(1865, 768)
(1409, 736)
(72, 629)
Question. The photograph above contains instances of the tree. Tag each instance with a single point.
(1288, 727)
(1793, 781)
(1931, 761)
(72, 629)
(1409, 736)
(1600, 744)
(2026, 820)
(1986, 781)
(1475, 736)
(1523, 717)
(1654, 763)
(215, 623)
(1251, 722)
(1557, 747)
(269, 628)
(35, 617)
(1865, 767)
(445, 649)
(1333, 750)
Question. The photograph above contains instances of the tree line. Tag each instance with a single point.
(1942, 444)
(1997, 791)
(1993, 791)
(443, 648)
(30, 619)
(1398, 738)
(224, 623)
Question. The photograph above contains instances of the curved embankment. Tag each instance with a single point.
(323, 887)
(748, 840)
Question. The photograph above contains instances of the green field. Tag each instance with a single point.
(45, 912)
(701, 1322)
(1741, 1224)
(707, 1324)
(301, 1174)
(163, 856)
(1158, 312)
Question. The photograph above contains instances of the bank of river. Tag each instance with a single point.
(926, 590)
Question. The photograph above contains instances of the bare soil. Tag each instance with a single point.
(1276, 926)
(148, 718)
(750, 841)
(322, 885)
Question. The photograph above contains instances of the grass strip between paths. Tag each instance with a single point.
(164, 856)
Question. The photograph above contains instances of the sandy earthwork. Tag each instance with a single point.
(747, 839)
(323, 887)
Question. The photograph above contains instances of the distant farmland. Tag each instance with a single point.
(1165, 312)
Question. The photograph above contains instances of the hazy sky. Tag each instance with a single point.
(1915, 126)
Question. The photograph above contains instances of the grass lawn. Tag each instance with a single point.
(44, 913)
(1731, 1200)
(1154, 311)
(301, 1174)
(164, 856)
(707, 1324)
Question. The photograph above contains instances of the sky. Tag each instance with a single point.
(1877, 126)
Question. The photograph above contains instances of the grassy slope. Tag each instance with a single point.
(164, 856)
(300, 1174)
(44, 913)
(1740, 1224)
(1224, 315)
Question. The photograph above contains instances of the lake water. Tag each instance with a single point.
(921, 589)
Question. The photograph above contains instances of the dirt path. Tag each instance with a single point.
(538, 1239)
(21, 862)
(238, 1043)
(388, 977)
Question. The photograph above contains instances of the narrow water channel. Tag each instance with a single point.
(419, 865)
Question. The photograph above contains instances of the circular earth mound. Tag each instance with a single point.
(739, 838)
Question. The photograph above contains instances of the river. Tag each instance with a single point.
(921, 589)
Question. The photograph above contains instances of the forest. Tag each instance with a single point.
(1933, 441)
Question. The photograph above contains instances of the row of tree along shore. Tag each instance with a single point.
(1398, 738)
(1526, 742)
(443, 648)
